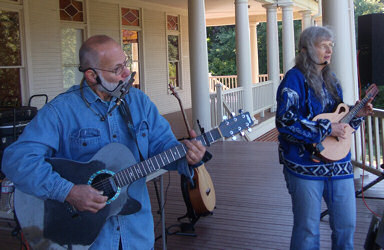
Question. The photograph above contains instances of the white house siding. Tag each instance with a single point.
(45, 48)
(156, 72)
(104, 18)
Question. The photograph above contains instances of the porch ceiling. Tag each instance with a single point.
(225, 9)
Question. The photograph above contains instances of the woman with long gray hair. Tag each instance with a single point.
(307, 90)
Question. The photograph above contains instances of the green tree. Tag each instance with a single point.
(221, 50)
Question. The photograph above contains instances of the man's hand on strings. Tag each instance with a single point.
(196, 150)
(86, 198)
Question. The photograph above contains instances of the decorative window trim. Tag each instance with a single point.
(179, 34)
(85, 13)
(140, 31)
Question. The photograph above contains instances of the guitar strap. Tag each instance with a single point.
(126, 114)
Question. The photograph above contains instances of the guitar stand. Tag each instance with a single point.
(366, 187)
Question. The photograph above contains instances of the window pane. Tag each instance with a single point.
(71, 10)
(71, 40)
(10, 52)
(10, 94)
(131, 50)
(173, 23)
(173, 48)
(130, 17)
(173, 73)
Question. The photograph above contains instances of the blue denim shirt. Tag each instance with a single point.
(67, 128)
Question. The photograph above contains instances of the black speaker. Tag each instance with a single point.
(371, 48)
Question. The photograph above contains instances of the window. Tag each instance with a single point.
(130, 36)
(173, 39)
(11, 63)
(72, 36)
(71, 40)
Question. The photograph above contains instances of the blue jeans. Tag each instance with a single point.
(306, 195)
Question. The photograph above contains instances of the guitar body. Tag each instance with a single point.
(202, 194)
(53, 225)
(336, 149)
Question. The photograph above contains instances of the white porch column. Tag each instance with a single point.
(243, 53)
(288, 37)
(272, 47)
(198, 54)
(339, 17)
(306, 19)
(254, 52)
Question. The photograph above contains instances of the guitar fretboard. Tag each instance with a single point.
(353, 112)
(144, 168)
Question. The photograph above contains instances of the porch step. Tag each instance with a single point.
(270, 136)
(260, 129)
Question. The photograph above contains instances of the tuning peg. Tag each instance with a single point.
(242, 133)
(241, 111)
(225, 117)
(234, 138)
(249, 130)
(233, 114)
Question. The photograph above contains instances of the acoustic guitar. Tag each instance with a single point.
(202, 193)
(332, 148)
(49, 224)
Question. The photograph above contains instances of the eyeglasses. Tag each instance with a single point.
(119, 68)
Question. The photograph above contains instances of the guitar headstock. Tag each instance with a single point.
(235, 125)
(372, 91)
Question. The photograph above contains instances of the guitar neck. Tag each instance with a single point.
(144, 168)
(353, 112)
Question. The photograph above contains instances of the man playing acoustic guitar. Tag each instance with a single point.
(77, 124)
(307, 90)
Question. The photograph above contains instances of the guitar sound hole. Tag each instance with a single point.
(101, 183)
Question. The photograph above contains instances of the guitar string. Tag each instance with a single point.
(104, 183)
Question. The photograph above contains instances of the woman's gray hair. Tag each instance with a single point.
(306, 61)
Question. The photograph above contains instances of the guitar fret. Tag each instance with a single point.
(177, 154)
(152, 164)
(146, 166)
(211, 136)
(165, 159)
(204, 141)
(127, 177)
(131, 174)
(158, 165)
(137, 174)
(159, 155)
(139, 170)
(116, 178)
(169, 154)
(181, 148)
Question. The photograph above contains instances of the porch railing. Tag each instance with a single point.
(230, 82)
(369, 143)
(225, 101)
